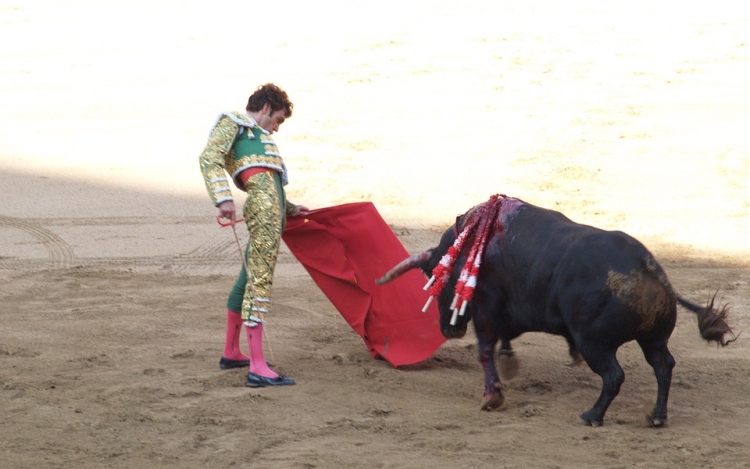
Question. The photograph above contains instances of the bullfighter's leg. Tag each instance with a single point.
(507, 360)
(263, 212)
(658, 356)
(233, 356)
(604, 363)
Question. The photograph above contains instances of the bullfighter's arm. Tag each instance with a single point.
(212, 160)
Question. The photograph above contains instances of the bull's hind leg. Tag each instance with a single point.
(604, 363)
(658, 356)
(575, 356)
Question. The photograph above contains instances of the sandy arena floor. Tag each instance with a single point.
(114, 274)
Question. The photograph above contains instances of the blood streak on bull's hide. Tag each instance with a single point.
(508, 208)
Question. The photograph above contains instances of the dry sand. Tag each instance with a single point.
(624, 115)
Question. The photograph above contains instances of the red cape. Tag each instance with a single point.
(345, 248)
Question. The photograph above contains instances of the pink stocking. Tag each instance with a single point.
(258, 363)
(232, 342)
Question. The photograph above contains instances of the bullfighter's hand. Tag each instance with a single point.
(228, 211)
(300, 210)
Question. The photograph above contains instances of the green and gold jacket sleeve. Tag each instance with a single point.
(213, 159)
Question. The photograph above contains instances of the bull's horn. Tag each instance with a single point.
(403, 266)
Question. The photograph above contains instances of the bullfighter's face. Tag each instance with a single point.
(271, 120)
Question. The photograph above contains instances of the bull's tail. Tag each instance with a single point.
(712, 322)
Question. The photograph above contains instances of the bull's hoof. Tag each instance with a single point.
(655, 422)
(507, 365)
(493, 396)
(589, 422)
(492, 401)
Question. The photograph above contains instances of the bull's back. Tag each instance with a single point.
(565, 274)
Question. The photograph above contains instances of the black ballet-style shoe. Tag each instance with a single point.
(228, 363)
(258, 381)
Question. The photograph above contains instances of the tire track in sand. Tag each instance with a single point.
(214, 255)
(61, 255)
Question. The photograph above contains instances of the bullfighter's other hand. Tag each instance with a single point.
(300, 210)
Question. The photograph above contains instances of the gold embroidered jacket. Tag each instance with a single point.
(222, 155)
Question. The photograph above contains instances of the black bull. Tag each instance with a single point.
(599, 289)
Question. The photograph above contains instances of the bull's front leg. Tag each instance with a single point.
(493, 395)
(487, 327)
